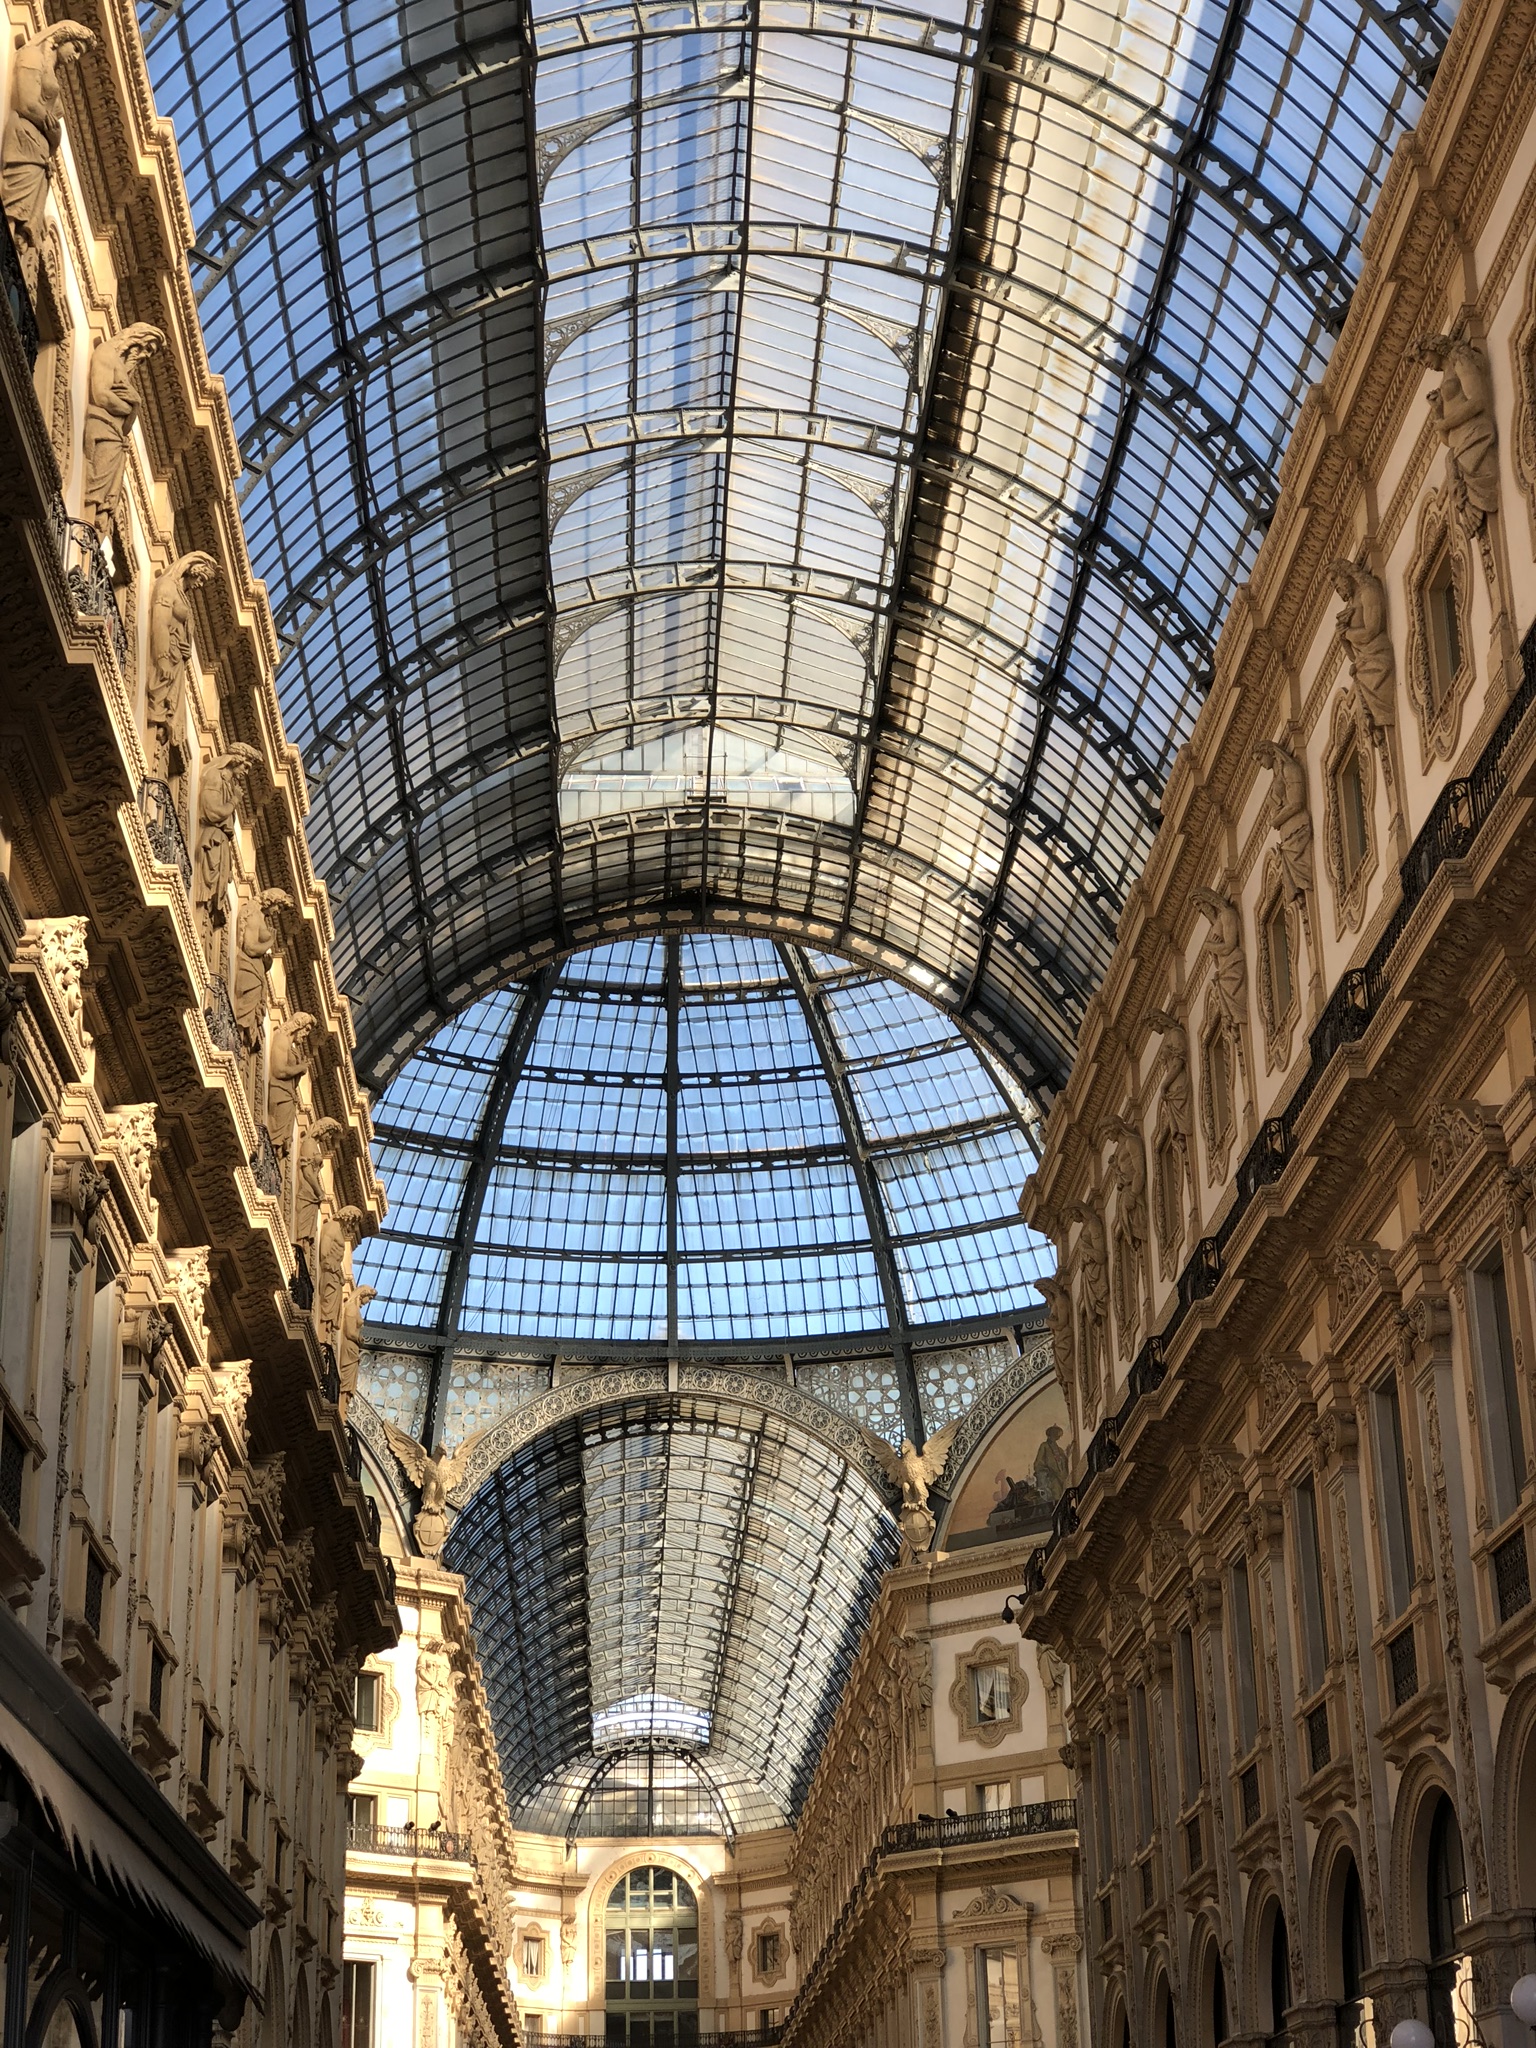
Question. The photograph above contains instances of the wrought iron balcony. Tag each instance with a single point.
(421, 1842)
(219, 1016)
(91, 586)
(163, 825)
(264, 1163)
(17, 298)
(1043, 1817)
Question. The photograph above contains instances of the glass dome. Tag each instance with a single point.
(700, 1141)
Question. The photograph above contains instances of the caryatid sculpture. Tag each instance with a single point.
(314, 1150)
(255, 941)
(338, 1234)
(1229, 969)
(33, 130)
(287, 1063)
(349, 1341)
(218, 799)
(170, 651)
(1362, 624)
(1058, 1318)
(112, 406)
(1176, 1097)
(1462, 407)
(1093, 1265)
(1289, 815)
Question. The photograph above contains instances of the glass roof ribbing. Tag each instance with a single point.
(697, 1142)
(668, 1595)
(763, 458)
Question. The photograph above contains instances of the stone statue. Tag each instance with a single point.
(349, 1341)
(1289, 815)
(254, 943)
(218, 799)
(1051, 1472)
(436, 1473)
(1362, 624)
(1462, 406)
(1058, 1312)
(1227, 958)
(1176, 1097)
(333, 1278)
(915, 1472)
(314, 1150)
(1129, 1168)
(32, 133)
(287, 1064)
(1093, 1264)
(112, 406)
(170, 650)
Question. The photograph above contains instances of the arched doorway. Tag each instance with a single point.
(651, 1967)
(1445, 1881)
(1277, 1984)
(1354, 1957)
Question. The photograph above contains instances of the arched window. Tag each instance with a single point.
(1354, 1959)
(1219, 2023)
(652, 1969)
(1446, 1904)
(1279, 1975)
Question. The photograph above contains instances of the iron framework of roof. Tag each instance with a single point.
(884, 398)
(722, 1149)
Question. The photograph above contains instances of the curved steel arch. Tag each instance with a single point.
(1041, 1067)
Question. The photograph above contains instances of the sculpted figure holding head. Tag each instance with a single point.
(111, 409)
(170, 650)
(1462, 407)
(218, 798)
(1362, 624)
(1289, 814)
(33, 129)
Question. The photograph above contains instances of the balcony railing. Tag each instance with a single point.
(1459, 814)
(14, 288)
(268, 1174)
(219, 1016)
(1044, 1817)
(758, 2037)
(162, 823)
(91, 586)
(433, 1842)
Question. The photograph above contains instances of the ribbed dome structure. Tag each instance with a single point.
(700, 1141)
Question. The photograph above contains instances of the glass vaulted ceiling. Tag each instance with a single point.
(698, 1143)
(763, 458)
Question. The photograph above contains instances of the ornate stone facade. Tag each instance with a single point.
(1292, 1580)
(184, 1548)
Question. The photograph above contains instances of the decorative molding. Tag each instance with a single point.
(962, 1693)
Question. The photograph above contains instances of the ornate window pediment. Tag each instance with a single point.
(1349, 826)
(1440, 666)
(989, 1692)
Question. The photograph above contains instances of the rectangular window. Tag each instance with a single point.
(533, 1955)
(1145, 1816)
(357, 2005)
(1277, 944)
(994, 1797)
(999, 2007)
(1103, 1816)
(362, 1810)
(1396, 1514)
(1309, 1584)
(767, 1954)
(1498, 1386)
(990, 1691)
(247, 1808)
(1218, 1067)
(1443, 618)
(365, 1702)
(1246, 1705)
(1349, 790)
(205, 1760)
(1191, 1746)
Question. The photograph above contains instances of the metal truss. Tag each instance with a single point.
(477, 1180)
